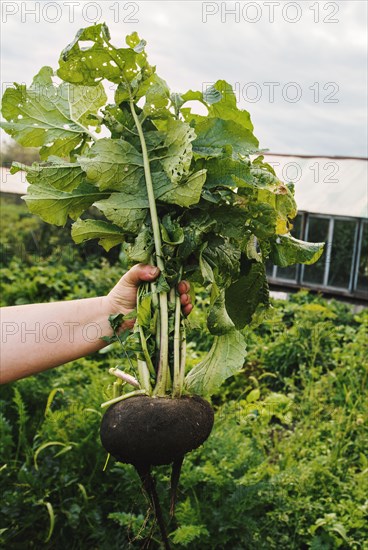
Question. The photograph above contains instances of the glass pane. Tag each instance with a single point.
(342, 253)
(269, 268)
(289, 272)
(317, 232)
(362, 284)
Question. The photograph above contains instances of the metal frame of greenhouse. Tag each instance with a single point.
(331, 210)
(284, 277)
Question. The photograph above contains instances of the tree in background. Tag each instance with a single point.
(12, 151)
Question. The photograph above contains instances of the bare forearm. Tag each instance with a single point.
(41, 336)
(37, 337)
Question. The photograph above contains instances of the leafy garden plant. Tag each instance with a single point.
(187, 192)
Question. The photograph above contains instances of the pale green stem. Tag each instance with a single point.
(147, 357)
(154, 290)
(150, 192)
(156, 307)
(172, 296)
(183, 353)
(176, 381)
(116, 388)
(144, 375)
(122, 397)
(163, 366)
(106, 462)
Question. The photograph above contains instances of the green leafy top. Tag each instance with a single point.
(181, 190)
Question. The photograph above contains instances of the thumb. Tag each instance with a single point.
(140, 273)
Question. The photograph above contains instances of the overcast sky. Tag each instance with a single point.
(298, 67)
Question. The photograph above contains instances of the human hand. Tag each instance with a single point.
(122, 298)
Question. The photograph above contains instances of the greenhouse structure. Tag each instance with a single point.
(332, 198)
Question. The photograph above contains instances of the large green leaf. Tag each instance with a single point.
(54, 206)
(230, 221)
(244, 296)
(178, 142)
(161, 186)
(192, 95)
(263, 220)
(220, 100)
(221, 171)
(108, 234)
(62, 175)
(226, 107)
(186, 193)
(218, 320)
(196, 225)
(142, 249)
(81, 63)
(126, 211)
(214, 134)
(114, 164)
(224, 259)
(286, 250)
(225, 359)
(56, 117)
(157, 94)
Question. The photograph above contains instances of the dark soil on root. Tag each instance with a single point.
(147, 431)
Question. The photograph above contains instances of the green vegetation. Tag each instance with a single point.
(285, 467)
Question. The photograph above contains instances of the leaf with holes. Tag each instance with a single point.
(55, 117)
(55, 206)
